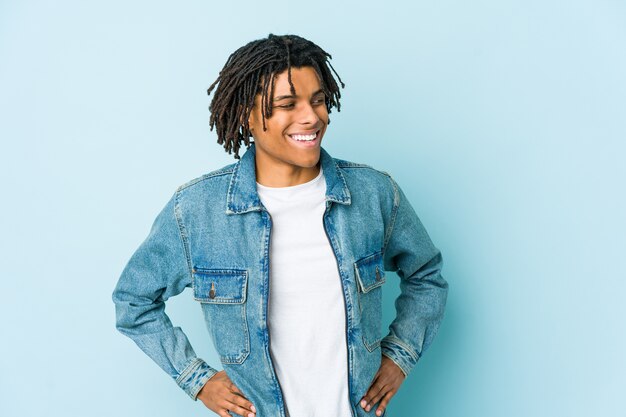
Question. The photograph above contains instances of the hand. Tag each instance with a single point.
(220, 395)
(385, 384)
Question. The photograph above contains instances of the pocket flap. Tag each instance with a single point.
(220, 286)
(370, 272)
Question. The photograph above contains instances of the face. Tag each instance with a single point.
(286, 148)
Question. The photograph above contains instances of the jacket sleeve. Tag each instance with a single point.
(156, 271)
(423, 291)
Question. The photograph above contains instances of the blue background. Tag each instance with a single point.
(504, 121)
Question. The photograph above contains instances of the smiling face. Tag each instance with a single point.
(287, 153)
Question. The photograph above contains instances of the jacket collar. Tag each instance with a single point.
(242, 193)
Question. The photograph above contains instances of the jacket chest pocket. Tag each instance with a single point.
(370, 277)
(222, 294)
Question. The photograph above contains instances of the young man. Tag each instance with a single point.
(286, 251)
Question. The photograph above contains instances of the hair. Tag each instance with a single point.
(248, 72)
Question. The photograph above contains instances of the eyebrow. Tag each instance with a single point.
(278, 98)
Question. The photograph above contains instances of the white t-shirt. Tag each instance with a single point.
(307, 319)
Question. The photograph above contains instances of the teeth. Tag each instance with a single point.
(304, 137)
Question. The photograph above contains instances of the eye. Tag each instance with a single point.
(286, 106)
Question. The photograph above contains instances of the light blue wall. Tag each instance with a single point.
(504, 121)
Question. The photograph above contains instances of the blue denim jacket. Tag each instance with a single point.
(214, 236)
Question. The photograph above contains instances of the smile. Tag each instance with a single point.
(306, 139)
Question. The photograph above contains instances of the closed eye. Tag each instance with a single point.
(321, 100)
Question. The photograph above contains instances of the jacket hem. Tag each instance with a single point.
(399, 353)
(194, 376)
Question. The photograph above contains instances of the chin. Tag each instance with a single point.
(309, 162)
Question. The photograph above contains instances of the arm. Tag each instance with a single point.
(420, 305)
(158, 270)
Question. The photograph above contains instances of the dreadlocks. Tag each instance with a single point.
(250, 70)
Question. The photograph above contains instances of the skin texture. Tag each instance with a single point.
(220, 395)
(282, 163)
(384, 385)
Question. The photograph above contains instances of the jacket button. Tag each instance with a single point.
(212, 291)
(377, 274)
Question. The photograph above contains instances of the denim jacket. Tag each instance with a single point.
(214, 235)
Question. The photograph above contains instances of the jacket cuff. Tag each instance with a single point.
(194, 376)
(401, 354)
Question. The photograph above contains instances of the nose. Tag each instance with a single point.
(307, 115)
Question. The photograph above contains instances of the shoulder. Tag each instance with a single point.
(365, 174)
(214, 177)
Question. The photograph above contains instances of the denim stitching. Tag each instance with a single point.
(221, 272)
(403, 345)
(224, 171)
(189, 368)
(182, 234)
(394, 212)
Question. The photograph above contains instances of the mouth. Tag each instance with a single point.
(305, 139)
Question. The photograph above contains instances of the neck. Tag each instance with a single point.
(284, 175)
